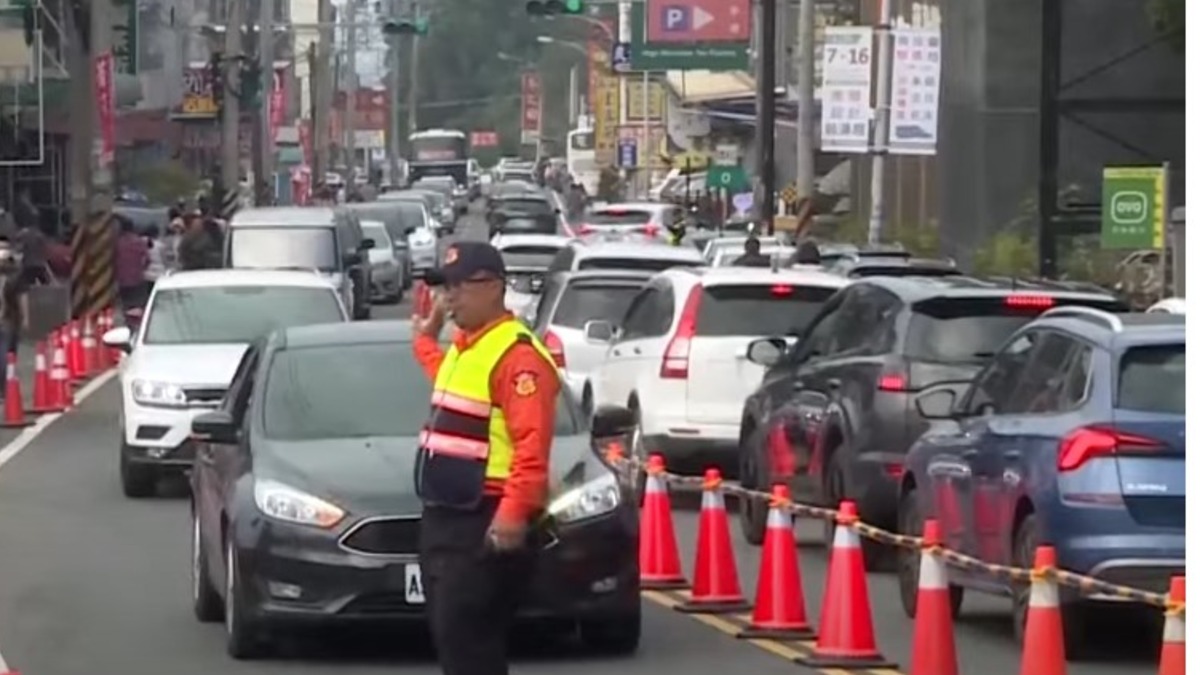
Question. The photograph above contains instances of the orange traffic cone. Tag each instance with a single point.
(1173, 642)
(14, 403)
(1044, 652)
(846, 636)
(658, 553)
(779, 612)
(102, 361)
(110, 322)
(42, 396)
(60, 374)
(715, 588)
(933, 650)
(90, 367)
(75, 352)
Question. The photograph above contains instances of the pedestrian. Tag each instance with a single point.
(156, 266)
(752, 255)
(495, 392)
(195, 244)
(31, 243)
(14, 298)
(132, 259)
(169, 243)
(807, 253)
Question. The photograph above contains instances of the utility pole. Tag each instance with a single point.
(883, 91)
(322, 93)
(766, 114)
(393, 87)
(805, 107)
(414, 71)
(82, 118)
(265, 172)
(230, 109)
(351, 89)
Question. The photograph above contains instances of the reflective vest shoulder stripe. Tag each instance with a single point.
(462, 404)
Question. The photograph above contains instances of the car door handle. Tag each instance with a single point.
(616, 352)
(833, 383)
(1012, 454)
(970, 454)
(637, 351)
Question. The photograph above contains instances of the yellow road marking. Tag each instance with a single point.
(789, 651)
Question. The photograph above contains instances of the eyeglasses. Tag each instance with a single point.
(472, 282)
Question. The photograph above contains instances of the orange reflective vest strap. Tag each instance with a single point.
(464, 421)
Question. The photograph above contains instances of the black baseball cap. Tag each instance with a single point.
(464, 260)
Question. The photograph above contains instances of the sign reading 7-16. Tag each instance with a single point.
(697, 20)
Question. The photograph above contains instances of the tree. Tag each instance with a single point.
(1169, 18)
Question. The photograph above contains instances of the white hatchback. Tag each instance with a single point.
(180, 362)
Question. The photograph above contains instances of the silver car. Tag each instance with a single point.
(386, 272)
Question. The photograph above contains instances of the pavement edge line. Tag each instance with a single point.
(29, 434)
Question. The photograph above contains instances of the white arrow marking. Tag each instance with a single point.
(700, 18)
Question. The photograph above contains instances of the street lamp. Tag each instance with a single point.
(547, 40)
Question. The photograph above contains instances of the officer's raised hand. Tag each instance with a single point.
(433, 320)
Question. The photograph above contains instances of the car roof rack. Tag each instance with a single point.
(1091, 313)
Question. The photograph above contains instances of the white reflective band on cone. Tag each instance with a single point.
(845, 537)
(933, 573)
(778, 520)
(40, 362)
(712, 500)
(1174, 629)
(1043, 593)
(654, 484)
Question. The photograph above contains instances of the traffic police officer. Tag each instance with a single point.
(482, 461)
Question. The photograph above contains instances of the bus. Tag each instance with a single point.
(581, 159)
(439, 152)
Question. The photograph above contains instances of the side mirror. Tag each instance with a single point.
(766, 351)
(366, 245)
(937, 404)
(612, 420)
(118, 338)
(216, 426)
(409, 229)
(600, 331)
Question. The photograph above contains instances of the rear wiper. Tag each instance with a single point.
(983, 355)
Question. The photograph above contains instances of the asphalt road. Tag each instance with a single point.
(91, 582)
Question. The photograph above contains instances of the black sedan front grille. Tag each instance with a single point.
(380, 604)
(384, 536)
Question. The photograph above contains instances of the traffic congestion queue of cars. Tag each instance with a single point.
(1016, 411)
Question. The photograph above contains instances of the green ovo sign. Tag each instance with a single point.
(1134, 209)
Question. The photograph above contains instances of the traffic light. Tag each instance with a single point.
(552, 7)
(406, 27)
(251, 85)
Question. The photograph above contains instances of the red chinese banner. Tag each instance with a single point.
(370, 110)
(103, 89)
(531, 107)
(599, 46)
(484, 139)
(305, 129)
(278, 100)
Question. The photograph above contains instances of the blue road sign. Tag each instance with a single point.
(622, 55)
(627, 153)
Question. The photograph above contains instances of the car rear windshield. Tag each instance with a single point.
(583, 302)
(523, 224)
(283, 248)
(235, 314)
(759, 309)
(531, 206)
(528, 256)
(1152, 379)
(355, 391)
(902, 271)
(970, 330)
(641, 264)
(619, 218)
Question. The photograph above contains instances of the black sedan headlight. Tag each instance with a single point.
(596, 497)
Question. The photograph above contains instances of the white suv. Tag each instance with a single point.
(195, 329)
(678, 356)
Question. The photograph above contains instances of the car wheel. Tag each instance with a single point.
(206, 601)
(752, 513)
(908, 561)
(617, 636)
(137, 480)
(835, 489)
(243, 640)
(1074, 616)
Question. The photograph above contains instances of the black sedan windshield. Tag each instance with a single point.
(355, 391)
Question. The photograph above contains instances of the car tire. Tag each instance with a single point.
(908, 561)
(138, 481)
(617, 636)
(752, 513)
(243, 638)
(206, 601)
(876, 556)
(1074, 615)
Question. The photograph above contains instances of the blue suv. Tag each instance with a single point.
(1073, 435)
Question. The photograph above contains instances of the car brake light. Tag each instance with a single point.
(554, 345)
(675, 359)
(650, 229)
(1088, 443)
(781, 290)
(892, 382)
(1029, 301)
(586, 229)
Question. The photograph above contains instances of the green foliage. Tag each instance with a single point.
(1008, 253)
(1169, 18)
(165, 182)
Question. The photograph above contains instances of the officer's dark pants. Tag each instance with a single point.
(471, 592)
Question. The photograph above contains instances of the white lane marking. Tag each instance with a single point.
(28, 434)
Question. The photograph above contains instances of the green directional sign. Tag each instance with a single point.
(732, 178)
(1133, 207)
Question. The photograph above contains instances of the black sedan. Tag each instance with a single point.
(303, 509)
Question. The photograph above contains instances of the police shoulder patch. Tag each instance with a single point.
(525, 383)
